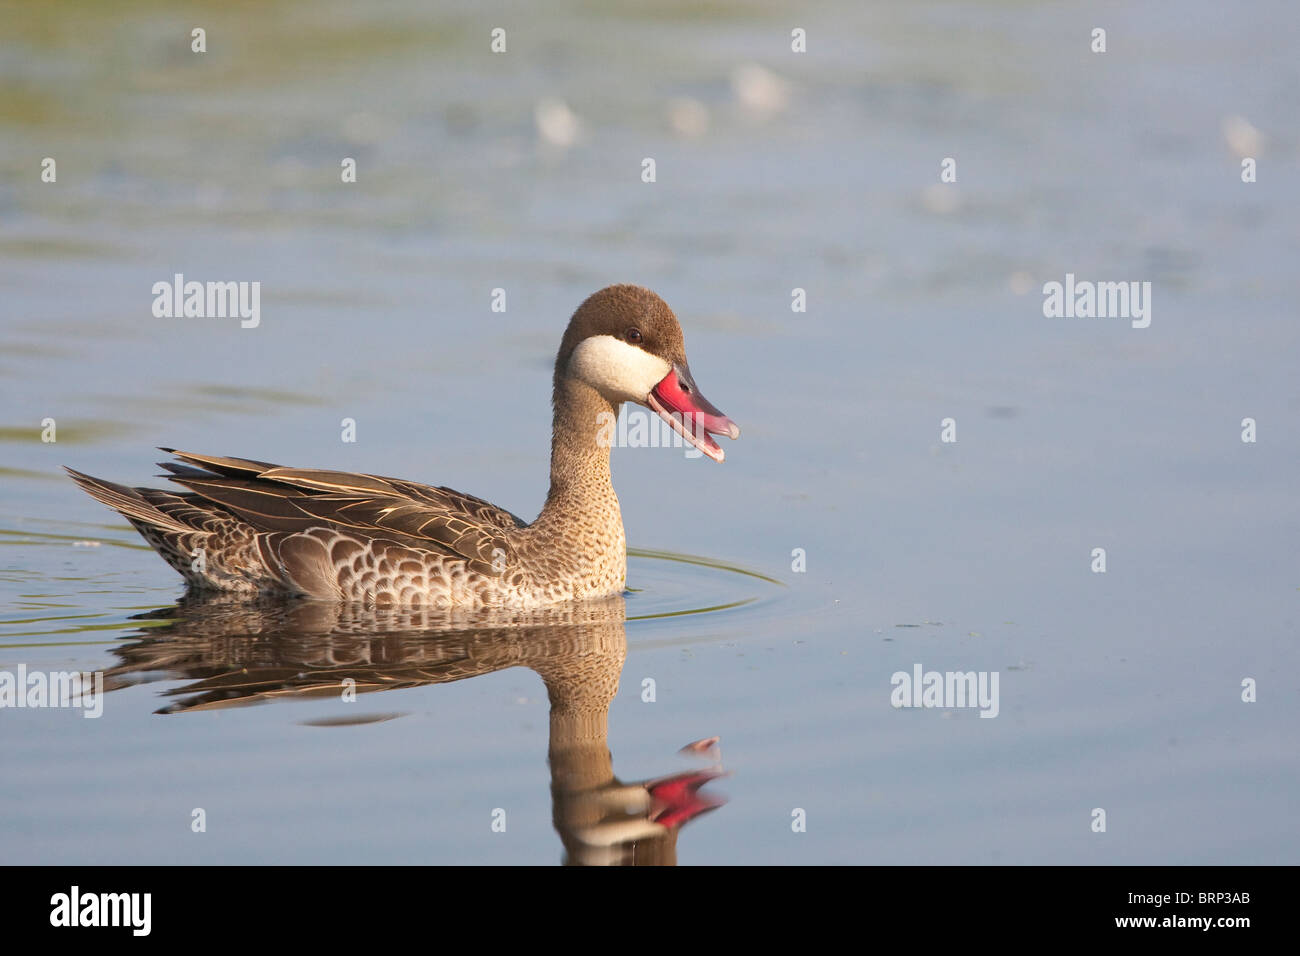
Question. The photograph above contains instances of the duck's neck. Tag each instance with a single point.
(581, 491)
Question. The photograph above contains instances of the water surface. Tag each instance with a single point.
(817, 171)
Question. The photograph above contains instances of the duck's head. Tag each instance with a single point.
(626, 343)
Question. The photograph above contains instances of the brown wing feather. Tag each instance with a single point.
(413, 524)
(264, 506)
(458, 501)
(444, 499)
(314, 479)
(259, 511)
(272, 498)
(230, 467)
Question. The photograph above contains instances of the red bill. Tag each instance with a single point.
(678, 401)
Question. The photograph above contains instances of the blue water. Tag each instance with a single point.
(1120, 691)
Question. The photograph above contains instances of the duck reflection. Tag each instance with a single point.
(238, 653)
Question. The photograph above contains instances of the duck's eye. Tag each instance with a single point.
(634, 335)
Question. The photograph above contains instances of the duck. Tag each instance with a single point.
(257, 529)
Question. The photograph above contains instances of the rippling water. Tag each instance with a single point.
(774, 171)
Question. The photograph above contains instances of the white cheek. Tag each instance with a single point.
(620, 372)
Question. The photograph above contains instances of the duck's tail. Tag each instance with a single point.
(134, 503)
